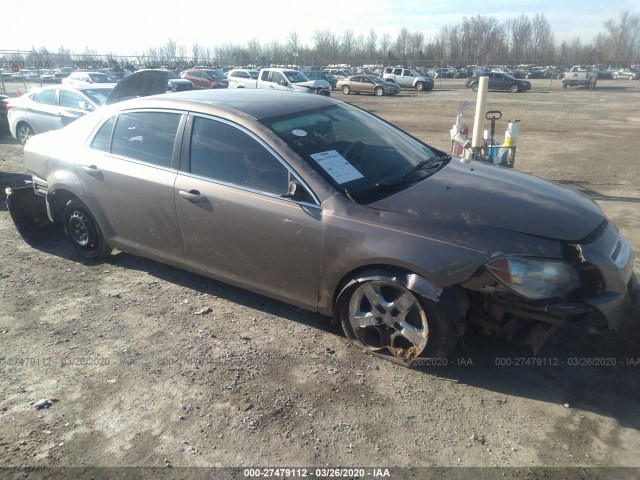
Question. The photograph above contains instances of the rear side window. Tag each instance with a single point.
(146, 136)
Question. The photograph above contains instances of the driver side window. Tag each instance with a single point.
(220, 151)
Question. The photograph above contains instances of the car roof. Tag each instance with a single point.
(256, 103)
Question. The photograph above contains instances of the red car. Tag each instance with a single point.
(206, 78)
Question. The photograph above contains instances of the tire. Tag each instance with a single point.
(514, 88)
(24, 132)
(420, 86)
(378, 92)
(564, 85)
(83, 232)
(346, 89)
(474, 87)
(384, 317)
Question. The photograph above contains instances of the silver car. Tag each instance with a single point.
(317, 203)
(56, 106)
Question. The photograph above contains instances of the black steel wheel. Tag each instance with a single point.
(83, 232)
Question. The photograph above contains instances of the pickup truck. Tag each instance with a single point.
(580, 76)
(407, 78)
(292, 80)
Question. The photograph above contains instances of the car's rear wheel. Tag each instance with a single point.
(384, 317)
(346, 90)
(83, 232)
(514, 88)
(379, 91)
(474, 87)
(24, 132)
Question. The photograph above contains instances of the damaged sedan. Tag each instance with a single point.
(317, 203)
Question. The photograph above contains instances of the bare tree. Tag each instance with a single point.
(416, 40)
(385, 44)
(402, 44)
(521, 37)
(348, 40)
(541, 39)
(371, 45)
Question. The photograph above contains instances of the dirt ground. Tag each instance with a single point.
(149, 366)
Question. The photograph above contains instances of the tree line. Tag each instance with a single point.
(475, 40)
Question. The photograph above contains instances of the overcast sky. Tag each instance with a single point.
(129, 27)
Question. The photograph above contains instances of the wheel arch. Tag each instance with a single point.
(56, 201)
(406, 278)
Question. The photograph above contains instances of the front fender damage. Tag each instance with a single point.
(452, 300)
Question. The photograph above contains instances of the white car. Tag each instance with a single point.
(242, 78)
(55, 106)
(89, 78)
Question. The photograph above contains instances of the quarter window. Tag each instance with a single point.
(146, 136)
(102, 140)
(222, 152)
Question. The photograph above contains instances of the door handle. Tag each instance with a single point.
(193, 196)
(92, 170)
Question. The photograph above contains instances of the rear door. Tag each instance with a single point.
(235, 224)
(128, 177)
(42, 110)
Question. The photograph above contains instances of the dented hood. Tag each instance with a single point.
(484, 195)
(140, 84)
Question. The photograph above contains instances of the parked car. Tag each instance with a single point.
(325, 206)
(55, 106)
(535, 73)
(63, 72)
(627, 73)
(339, 72)
(319, 75)
(499, 81)
(442, 72)
(367, 84)
(4, 100)
(88, 78)
(408, 78)
(175, 83)
(242, 78)
(206, 78)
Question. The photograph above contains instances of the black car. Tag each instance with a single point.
(499, 81)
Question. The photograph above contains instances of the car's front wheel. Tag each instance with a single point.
(383, 316)
(24, 132)
(474, 87)
(379, 91)
(83, 232)
(420, 86)
(514, 88)
(346, 90)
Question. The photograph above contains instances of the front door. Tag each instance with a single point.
(234, 223)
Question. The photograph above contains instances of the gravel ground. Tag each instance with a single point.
(146, 365)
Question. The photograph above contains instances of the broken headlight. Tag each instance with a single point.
(534, 278)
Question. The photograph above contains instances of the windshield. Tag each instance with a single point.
(173, 75)
(216, 74)
(296, 77)
(97, 95)
(359, 154)
(100, 78)
(376, 79)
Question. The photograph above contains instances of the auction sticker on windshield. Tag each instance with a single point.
(337, 166)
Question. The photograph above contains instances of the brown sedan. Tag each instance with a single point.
(367, 84)
(314, 202)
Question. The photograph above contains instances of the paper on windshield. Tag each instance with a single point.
(337, 166)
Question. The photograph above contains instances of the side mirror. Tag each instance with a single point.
(84, 105)
(295, 192)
